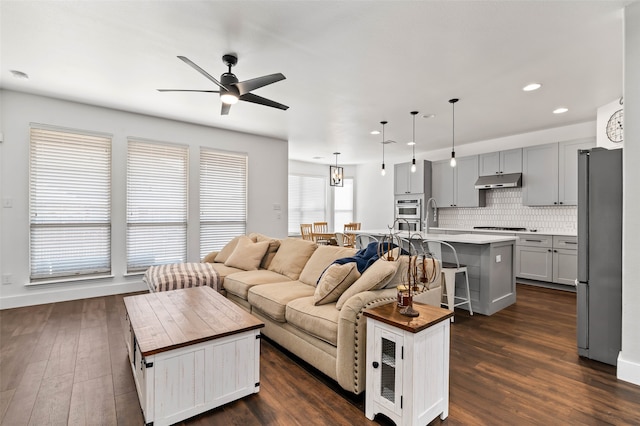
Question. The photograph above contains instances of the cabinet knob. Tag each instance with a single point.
(560, 202)
(375, 364)
(555, 202)
(549, 250)
(555, 251)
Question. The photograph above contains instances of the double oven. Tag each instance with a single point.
(409, 211)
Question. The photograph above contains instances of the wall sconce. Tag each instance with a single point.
(336, 173)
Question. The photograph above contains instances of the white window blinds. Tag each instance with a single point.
(307, 200)
(343, 204)
(156, 204)
(223, 198)
(69, 204)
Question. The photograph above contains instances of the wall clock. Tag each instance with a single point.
(615, 126)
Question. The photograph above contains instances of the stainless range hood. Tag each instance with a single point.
(509, 180)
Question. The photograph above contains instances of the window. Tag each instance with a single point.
(69, 204)
(156, 204)
(307, 200)
(223, 198)
(343, 204)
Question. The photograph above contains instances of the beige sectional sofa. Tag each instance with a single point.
(309, 305)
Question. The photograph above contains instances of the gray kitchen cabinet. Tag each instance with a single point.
(565, 260)
(500, 162)
(534, 257)
(568, 169)
(455, 186)
(540, 175)
(550, 173)
(442, 183)
(406, 182)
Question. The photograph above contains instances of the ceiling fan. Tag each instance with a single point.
(231, 90)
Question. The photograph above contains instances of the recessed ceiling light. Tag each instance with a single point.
(531, 87)
(429, 116)
(560, 110)
(20, 75)
(375, 132)
(317, 158)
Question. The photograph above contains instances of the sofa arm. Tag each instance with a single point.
(352, 337)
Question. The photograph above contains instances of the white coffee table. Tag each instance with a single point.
(190, 350)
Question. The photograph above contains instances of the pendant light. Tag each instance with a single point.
(413, 143)
(383, 171)
(453, 132)
(336, 173)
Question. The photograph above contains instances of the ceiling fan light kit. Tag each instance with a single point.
(231, 90)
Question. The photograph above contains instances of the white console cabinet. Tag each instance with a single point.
(408, 364)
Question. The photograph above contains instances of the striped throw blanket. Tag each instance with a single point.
(174, 276)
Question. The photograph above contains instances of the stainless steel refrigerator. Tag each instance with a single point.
(599, 286)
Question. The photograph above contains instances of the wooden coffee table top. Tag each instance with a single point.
(172, 319)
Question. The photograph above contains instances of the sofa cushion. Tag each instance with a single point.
(400, 277)
(239, 283)
(247, 255)
(318, 321)
(291, 257)
(224, 270)
(320, 260)
(274, 245)
(334, 281)
(210, 258)
(226, 251)
(272, 299)
(374, 277)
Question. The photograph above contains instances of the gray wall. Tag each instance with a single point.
(268, 171)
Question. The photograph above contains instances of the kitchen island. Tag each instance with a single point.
(490, 264)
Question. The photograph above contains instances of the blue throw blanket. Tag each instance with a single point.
(367, 256)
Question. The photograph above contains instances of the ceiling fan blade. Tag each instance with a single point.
(225, 109)
(201, 71)
(255, 83)
(250, 97)
(187, 90)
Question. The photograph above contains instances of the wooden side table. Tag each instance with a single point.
(408, 364)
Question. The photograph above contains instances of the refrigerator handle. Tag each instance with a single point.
(583, 216)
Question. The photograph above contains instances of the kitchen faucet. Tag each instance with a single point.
(435, 213)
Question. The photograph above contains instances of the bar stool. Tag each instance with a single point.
(449, 271)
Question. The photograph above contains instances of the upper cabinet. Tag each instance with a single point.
(501, 162)
(407, 182)
(550, 173)
(455, 186)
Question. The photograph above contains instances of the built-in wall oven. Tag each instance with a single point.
(409, 210)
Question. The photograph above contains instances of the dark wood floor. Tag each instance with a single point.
(66, 363)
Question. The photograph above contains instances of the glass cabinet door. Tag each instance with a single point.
(388, 373)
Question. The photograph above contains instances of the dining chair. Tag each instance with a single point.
(321, 228)
(341, 239)
(306, 230)
(449, 270)
(363, 240)
(350, 237)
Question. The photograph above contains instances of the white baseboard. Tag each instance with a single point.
(70, 293)
(628, 371)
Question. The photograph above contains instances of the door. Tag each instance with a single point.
(565, 266)
(534, 263)
(568, 170)
(466, 195)
(511, 161)
(489, 164)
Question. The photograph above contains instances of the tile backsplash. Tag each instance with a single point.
(504, 208)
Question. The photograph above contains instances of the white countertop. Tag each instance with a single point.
(542, 232)
(450, 238)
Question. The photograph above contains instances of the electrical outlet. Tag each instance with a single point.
(499, 258)
(6, 278)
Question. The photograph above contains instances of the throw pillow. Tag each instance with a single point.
(374, 277)
(226, 251)
(320, 260)
(291, 257)
(334, 281)
(247, 255)
(210, 258)
(274, 245)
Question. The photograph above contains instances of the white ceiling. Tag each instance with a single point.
(349, 65)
